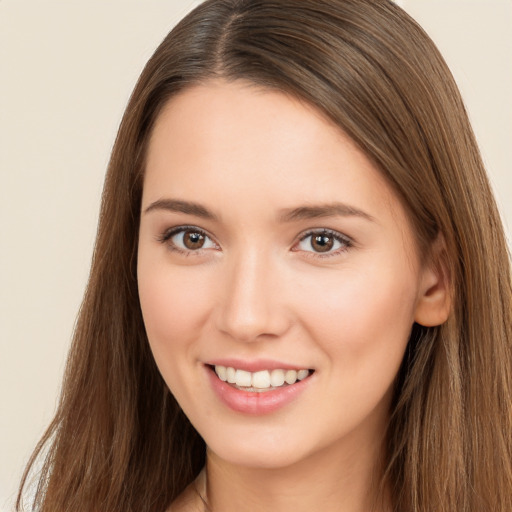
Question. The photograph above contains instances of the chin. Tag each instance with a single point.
(257, 458)
(263, 450)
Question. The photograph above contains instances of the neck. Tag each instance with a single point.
(348, 483)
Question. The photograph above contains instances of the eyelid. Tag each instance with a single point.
(346, 241)
(166, 235)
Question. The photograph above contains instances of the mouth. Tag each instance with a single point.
(261, 381)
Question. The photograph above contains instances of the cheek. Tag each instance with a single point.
(362, 326)
(174, 305)
(362, 316)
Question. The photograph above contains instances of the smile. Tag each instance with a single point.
(260, 381)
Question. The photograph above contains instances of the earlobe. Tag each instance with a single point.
(435, 291)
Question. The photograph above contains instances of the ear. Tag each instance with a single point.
(435, 291)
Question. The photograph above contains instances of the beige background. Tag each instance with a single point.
(66, 70)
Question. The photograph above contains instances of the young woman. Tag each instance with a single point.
(300, 297)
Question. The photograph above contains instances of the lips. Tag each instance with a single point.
(261, 391)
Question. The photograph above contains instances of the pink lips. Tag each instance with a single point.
(252, 402)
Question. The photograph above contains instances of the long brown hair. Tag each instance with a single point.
(119, 441)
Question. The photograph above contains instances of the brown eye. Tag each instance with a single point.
(187, 239)
(322, 243)
(193, 240)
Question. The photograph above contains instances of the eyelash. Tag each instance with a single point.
(166, 236)
(338, 237)
(346, 243)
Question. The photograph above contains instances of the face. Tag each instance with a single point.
(278, 276)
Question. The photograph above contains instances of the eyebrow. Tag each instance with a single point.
(285, 215)
(176, 205)
(322, 210)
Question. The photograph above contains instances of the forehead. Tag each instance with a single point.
(228, 118)
(242, 129)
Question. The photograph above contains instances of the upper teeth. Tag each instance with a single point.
(259, 380)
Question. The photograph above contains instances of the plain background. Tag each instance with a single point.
(67, 69)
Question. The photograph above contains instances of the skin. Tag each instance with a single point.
(259, 289)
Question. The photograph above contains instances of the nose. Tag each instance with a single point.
(252, 305)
